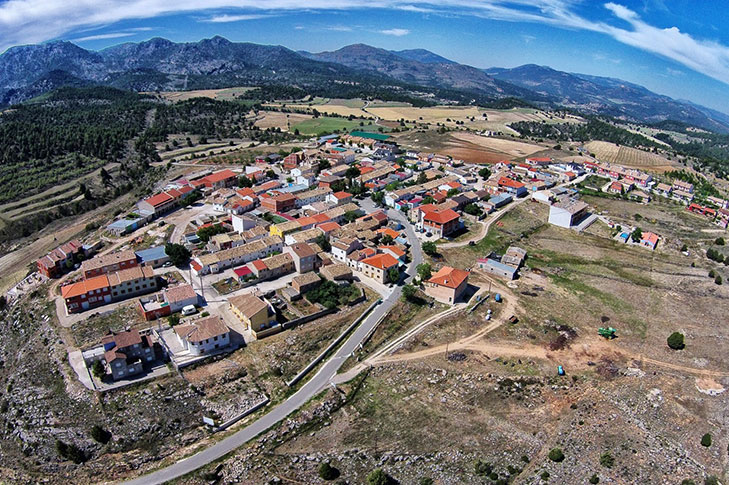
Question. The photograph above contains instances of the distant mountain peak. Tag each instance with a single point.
(423, 55)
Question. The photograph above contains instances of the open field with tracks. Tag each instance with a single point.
(630, 157)
(225, 94)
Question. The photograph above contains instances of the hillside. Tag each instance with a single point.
(608, 96)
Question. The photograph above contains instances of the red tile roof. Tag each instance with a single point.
(382, 261)
(507, 182)
(259, 265)
(441, 217)
(342, 194)
(85, 286)
(219, 176)
(158, 200)
(242, 271)
(449, 277)
(394, 249)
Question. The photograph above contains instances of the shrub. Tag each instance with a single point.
(482, 468)
(545, 475)
(424, 271)
(675, 341)
(684, 248)
(607, 460)
(205, 314)
(430, 248)
(594, 479)
(378, 477)
(712, 273)
(556, 455)
(327, 472)
(717, 280)
(687, 481)
(70, 452)
(719, 241)
(706, 440)
(179, 254)
(100, 434)
(711, 480)
(97, 368)
(425, 481)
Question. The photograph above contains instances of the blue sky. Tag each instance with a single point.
(678, 48)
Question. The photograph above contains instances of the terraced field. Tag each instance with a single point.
(629, 157)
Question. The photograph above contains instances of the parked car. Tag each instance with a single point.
(189, 310)
(167, 264)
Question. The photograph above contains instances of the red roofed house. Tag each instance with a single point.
(293, 160)
(126, 353)
(378, 266)
(279, 203)
(441, 222)
(649, 240)
(340, 198)
(218, 180)
(55, 263)
(512, 186)
(447, 285)
(394, 251)
(158, 204)
(616, 188)
(86, 294)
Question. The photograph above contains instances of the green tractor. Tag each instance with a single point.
(609, 333)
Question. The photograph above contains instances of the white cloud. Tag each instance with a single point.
(395, 32)
(32, 21)
(218, 19)
(111, 35)
(340, 28)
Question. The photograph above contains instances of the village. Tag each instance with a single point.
(325, 224)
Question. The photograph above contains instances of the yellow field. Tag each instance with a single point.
(629, 157)
(276, 119)
(510, 147)
(225, 94)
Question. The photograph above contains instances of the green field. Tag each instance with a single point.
(325, 124)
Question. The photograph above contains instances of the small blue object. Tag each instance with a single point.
(497, 297)
(560, 370)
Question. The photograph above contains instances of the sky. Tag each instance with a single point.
(679, 48)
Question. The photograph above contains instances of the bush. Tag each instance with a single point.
(594, 479)
(556, 455)
(100, 434)
(607, 460)
(173, 319)
(332, 295)
(70, 452)
(706, 440)
(327, 472)
(711, 480)
(179, 254)
(482, 468)
(425, 481)
(205, 314)
(545, 475)
(687, 481)
(430, 248)
(719, 241)
(675, 341)
(718, 280)
(97, 368)
(378, 477)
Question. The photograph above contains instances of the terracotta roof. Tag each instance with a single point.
(259, 265)
(650, 237)
(248, 304)
(201, 330)
(123, 339)
(381, 261)
(195, 265)
(507, 182)
(85, 286)
(386, 231)
(449, 277)
(158, 200)
(342, 195)
(222, 175)
(441, 217)
(180, 293)
(394, 249)
(302, 250)
(328, 226)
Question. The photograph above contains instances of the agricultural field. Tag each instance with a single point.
(277, 119)
(325, 124)
(630, 157)
(225, 94)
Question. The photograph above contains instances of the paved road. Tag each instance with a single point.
(312, 387)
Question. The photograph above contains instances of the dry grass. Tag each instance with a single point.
(276, 119)
(225, 94)
(629, 157)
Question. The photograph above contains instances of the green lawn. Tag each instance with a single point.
(325, 124)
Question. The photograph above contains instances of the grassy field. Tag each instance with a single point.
(225, 94)
(629, 157)
(325, 124)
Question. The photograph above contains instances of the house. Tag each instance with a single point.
(252, 311)
(303, 256)
(447, 285)
(284, 228)
(279, 203)
(158, 204)
(293, 160)
(378, 266)
(305, 282)
(393, 251)
(61, 259)
(513, 187)
(339, 198)
(221, 260)
(567, 212)
(683, 186)
(649, 240)
(663, 189)
(616, 188)
(342, 247)
(242, 223)
(109, 263)
(125, 226)
(132, 282)
(204, 336)
(86, 294)
(514, 256)
(337, 272)
(179, 297)
(218, 180)
(500, 200)
(441, 222)
(307, 236)
(153, 257)
(126, 353)
(496, 267)
(279, 265)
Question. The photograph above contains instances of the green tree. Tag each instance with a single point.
(473, 209)
(484, 173)
(408, 292)
(430, 248)
(717, 280)
(173, 319)
(352, 173)
(350, 216)
(393, 274)
(70, 452)
(706, 440)
(271, 174)
(100, 435)
(556, 455)
(607, 460)
(675, 341)
(711, 480)
(323, 243)
(179, 254)
(636, 235)
(452, 192)
(719, 241)
(97, 368)
(482, 468)
(424, 271)
(594, 479)
(378, 198)
(425, 481)
(244, 181)
(422, 178)
(327, 472)
(378, 477)
(386, 239)
(207, 232)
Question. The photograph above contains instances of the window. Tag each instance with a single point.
(117, 365)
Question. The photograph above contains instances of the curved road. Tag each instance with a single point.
(312, 387)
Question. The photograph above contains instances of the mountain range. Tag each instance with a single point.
(159, 64)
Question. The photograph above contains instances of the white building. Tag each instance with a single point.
(204, 336)
(242, 223)
(567, 212)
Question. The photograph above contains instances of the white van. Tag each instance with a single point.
(189, 310)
